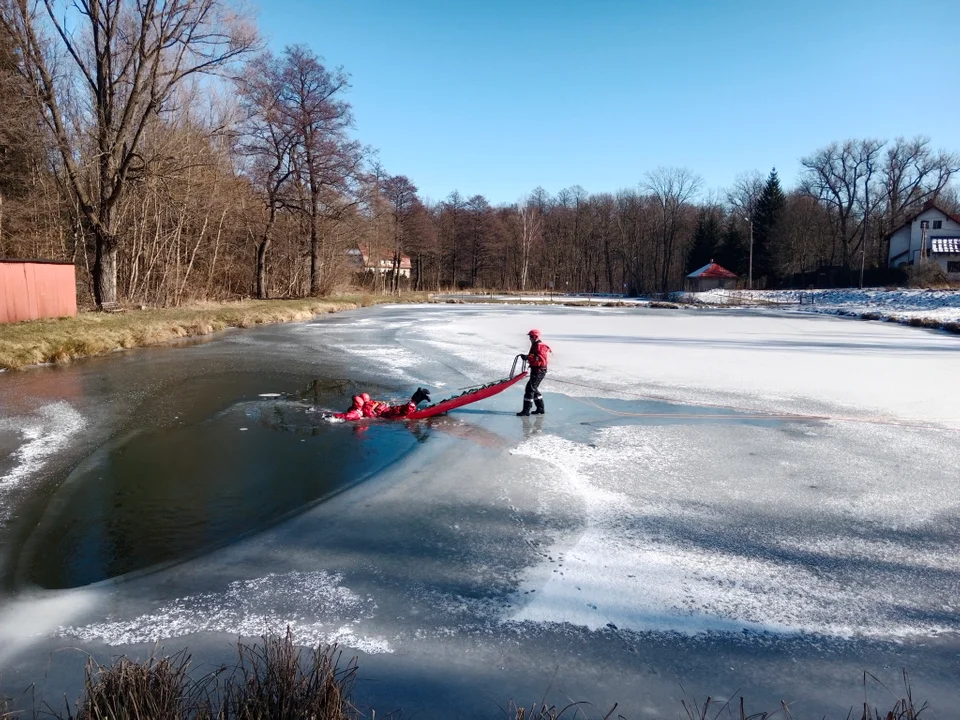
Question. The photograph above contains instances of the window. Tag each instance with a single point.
(924, 224)
(953, 266)
(937, 224)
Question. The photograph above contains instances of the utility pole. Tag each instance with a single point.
(750, 265)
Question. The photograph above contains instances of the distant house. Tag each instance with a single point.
(930, 234)
(380, 262)
(711, 277)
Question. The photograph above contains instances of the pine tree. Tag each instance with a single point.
(706, 241)
(733, 254)
(768, 228)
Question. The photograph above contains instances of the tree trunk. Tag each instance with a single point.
(314, 253)
(104, 268)
(262, 247)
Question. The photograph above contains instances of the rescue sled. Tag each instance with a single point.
(473, 395)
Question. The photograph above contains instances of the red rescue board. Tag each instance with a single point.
(470, 396)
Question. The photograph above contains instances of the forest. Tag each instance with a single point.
(165, 152)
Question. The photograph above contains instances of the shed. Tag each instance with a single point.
(710, 277)
(34, 289)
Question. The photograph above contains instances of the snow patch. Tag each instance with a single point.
(312, 604)
(44, 435)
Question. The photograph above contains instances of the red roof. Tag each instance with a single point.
(712, 270)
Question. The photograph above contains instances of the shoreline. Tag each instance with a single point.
(57, 341)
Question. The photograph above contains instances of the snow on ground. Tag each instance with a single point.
(901, 305)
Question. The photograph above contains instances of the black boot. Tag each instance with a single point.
(526, 408)
(539, 410)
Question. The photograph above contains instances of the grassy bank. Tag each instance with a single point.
(93, 333)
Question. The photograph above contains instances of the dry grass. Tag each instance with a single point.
(929, 275)
(130, 690)
(278, 680)
(94, 333)
(275, 680)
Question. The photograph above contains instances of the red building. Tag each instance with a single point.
(34, 289)
(711, 277)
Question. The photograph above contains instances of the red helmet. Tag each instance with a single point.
(357, 401)
(534, 333)
(365, 397)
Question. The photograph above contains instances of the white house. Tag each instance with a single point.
(381, 262)
(929, 234)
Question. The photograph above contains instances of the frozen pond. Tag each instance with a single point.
(741, 502)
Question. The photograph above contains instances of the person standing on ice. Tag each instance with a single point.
(537, 359)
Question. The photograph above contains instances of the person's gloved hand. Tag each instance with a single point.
(420, 395)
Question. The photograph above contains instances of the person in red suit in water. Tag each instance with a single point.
(365, 407)
(537, 359)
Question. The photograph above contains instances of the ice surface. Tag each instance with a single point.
(650, 557)
(627, 542)
(768, 363)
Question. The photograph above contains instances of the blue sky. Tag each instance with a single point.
(496, 97)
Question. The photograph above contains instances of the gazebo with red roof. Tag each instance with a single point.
(710, 277)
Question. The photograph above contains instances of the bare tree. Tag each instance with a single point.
(839, 175)
(267, 143)
(672, 189)
(327, 160)
(123, 61)
(402, 196)
(743, 196)
(532, 220)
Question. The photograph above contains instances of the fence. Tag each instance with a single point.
(34, 289)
